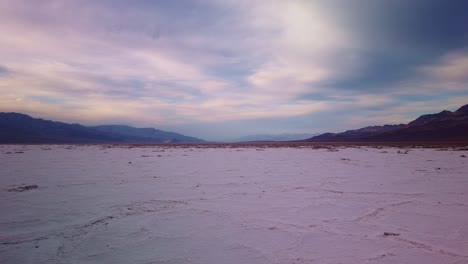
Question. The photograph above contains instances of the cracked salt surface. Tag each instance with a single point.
(159, 204)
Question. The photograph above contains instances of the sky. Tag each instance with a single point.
(220, 69)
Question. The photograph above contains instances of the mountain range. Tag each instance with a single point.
(445, 126)
(273, 137)
(21, 128)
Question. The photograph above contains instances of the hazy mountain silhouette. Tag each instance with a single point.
(144, 134)
(21, 128)
(441, 127)
(357, 134)
(273, 137)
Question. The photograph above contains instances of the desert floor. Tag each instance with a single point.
(233, 204)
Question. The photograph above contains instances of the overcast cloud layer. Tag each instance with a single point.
(220, 69)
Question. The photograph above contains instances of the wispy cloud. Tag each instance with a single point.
(173, 64)
(3, 71)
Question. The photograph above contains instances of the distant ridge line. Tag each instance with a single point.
(21, 128)
(445, 126)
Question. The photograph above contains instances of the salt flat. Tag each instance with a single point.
(160, 204)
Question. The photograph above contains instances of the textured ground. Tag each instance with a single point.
(127, 204)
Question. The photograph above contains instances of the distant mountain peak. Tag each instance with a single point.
(462, 110)
(145, 134)
(274, 137)
(356, 134)
(442, 126)
(425, 119)
(21, 128)
(439, 117)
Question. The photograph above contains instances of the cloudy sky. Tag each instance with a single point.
(219, 69)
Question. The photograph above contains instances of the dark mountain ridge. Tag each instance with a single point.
(144, 134)
(445, 126)
(272, 137)
(357, 134)
(21, 128)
